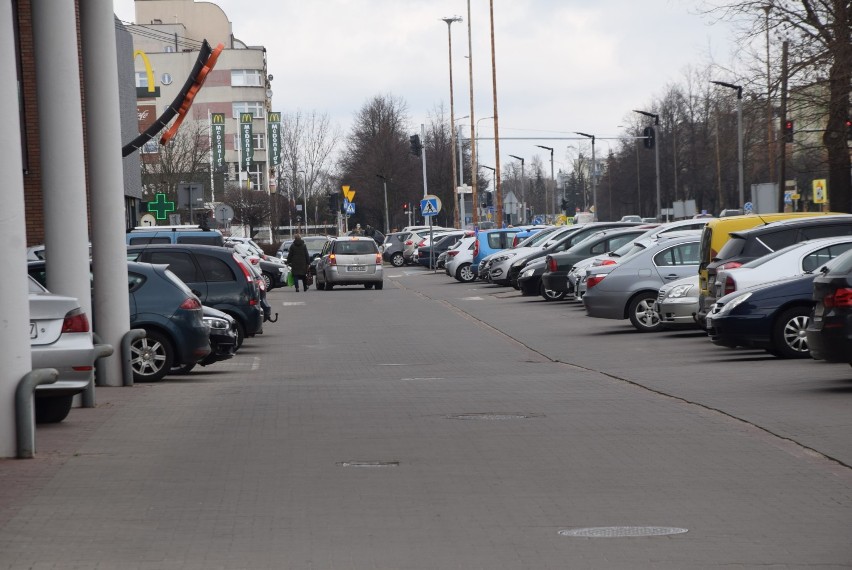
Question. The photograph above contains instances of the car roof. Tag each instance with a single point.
(794, 222)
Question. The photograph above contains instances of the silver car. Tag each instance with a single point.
(60, 338)
(629, 289)
(351, 260)
(677, 303)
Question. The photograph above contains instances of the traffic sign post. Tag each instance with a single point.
(430, 205)
(748, 207)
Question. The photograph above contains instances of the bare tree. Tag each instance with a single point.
(251, 207)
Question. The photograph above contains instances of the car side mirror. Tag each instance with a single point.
(196, 293)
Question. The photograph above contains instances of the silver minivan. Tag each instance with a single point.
(350, 260)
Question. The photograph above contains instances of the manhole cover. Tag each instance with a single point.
(492, 416)
(369, 463)
(621, 531)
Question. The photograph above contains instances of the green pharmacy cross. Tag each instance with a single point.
(161, 207)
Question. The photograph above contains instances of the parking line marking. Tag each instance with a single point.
(292, 303)
(256, 364)
(470, 298)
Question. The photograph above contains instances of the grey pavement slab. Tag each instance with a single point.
(491, 440)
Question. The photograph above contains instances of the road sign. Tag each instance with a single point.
(430, 205)
(538, 220)
(788, 197)
(348, 194)
(748, 207)
(820, 191)
(349, 208)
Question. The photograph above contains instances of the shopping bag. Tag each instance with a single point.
(290, 280)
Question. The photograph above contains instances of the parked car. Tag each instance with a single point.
(393, 247)
(442, 244)
(60, 338)
(424, 242)
(628, 289)
(631, 218)
(795, 259)
(314, 244)
(773, 316)
(459, 259)
(353, 260)
(557, 265)
(829, 332)
(273, 271)
(530, 283)
(677, 303)
(169, 312)
(223, 339)
(186, 234)
(219, 277)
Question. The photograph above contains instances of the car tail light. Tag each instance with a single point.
(475, 248)
(191, 304)
(729, 265)
(840, 298)
(378, 259)
(246, 271)
(422, 243)
(452, 253)
(730, 285)
(594, 280)
(608, 262)
(409, 242)
(332, 259)
(551, 264)
(515, 241)
(75, 322)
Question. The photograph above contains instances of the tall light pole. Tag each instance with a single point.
(473, 170)
(449, 22)
(546, 202)
(476, 157)
(494, 183)
(305, 197)
(498, 198)
(523, 191)
(592, 173)
(385, 184)
(460, 197)
(739, 91)
(655, 126)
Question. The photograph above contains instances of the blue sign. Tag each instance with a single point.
(429, 207)
(349, 207)
(538, 220)
(748, 207)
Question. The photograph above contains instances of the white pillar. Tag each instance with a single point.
(66, 235)
(106, 182)
(15, 359)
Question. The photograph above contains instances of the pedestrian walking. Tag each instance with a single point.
(298, 259)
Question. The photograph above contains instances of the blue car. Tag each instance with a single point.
(490, 241)
(773, 317)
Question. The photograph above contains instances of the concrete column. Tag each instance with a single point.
(66, 235)
(106, 183)
(15, 359)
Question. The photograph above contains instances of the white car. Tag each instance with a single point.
(803, 257)
(459, 259)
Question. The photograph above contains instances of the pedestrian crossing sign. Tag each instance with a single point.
(430, 205)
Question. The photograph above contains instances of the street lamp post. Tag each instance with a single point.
(449, 22)
(546, 202)
(739, 90)
(638, 179)
(476, 161)
(460, 197)
(305, 197)
(592, 173)
(523, 191)
(472, 114)
(385, 184)
(656, 156)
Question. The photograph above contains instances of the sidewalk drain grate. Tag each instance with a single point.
(369, 463)
(492, 416)
(621, 531)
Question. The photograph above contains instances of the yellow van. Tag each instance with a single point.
(717, 232)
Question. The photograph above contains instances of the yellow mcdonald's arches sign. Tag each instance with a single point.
(246, 118)
(152, 87)
(217, 118)
(274, 117)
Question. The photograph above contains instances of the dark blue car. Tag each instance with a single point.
(773, 317)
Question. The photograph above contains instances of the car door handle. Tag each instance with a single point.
(672, 276)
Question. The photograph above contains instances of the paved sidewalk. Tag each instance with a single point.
(391, 430)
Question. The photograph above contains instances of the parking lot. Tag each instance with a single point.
(438, 424)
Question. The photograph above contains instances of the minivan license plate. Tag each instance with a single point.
(357, 268)
(33, 330)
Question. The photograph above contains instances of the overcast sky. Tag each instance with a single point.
(562, 65)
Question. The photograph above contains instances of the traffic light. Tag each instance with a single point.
(650, 137)
(332, 203)
(489, 199)
(849, 129)
(416, 147)
(405, 208)
(788, 131)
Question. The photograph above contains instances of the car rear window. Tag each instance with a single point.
(734, 248)
(841, 265)
(358, 247)
(215, 269)
(201, 240)
(149, 239)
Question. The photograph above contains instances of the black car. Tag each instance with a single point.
(773, 317)
(530, 283)
(223, 339)
(829, 332)
(442, 244)
(220, 278)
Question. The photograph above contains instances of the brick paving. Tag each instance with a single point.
(494, 442)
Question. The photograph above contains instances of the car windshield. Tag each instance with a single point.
(536, 238)
(556, 236)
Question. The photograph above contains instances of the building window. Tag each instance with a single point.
(253, 107)
(259, 141)
(246, 78)
(141, 79)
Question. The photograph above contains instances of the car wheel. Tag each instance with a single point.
(465, 273)
(379, 286)
(52, 409)
(788, 333)
(183, 369)
(267, 281)
(397, 260)
(151, 357)
(329, 286)
(368, 285)
(642, 314)
(240, 330)
(320, 285)
(549, 295)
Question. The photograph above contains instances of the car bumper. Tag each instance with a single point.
(340, 275)
(831, 340)
(678, 312)
(737, 331)
(605, 305)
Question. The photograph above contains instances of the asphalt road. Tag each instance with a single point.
(438, 425)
